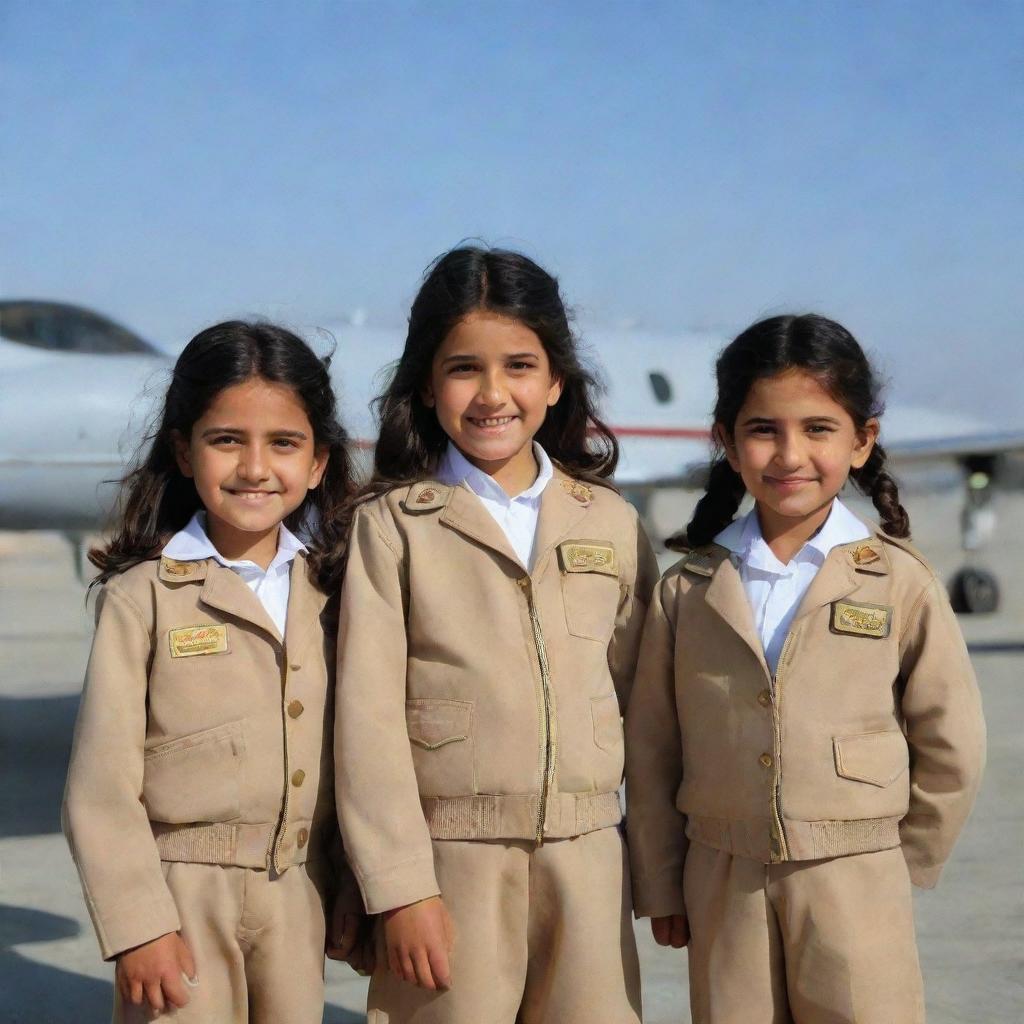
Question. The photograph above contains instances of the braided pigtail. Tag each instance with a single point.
(715, 510)
(873, 480)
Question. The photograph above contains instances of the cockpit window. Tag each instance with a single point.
(63, 328)
(660, 386)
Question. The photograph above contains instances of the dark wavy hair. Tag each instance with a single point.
(831, 354)
(461, 281)
(156, 499)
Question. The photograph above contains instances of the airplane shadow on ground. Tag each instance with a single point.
(35, 993)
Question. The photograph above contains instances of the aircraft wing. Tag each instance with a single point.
(933, 449)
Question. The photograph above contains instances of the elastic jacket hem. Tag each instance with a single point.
(515, 816)
(805, 840)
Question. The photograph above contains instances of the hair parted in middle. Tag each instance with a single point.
(828, 352)
(462, 281)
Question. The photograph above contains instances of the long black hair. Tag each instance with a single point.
(831, 354)
(156, 499)
(461, 281)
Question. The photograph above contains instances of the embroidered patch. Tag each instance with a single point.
(873, 620)
(588, 556)
(426, 496)
(175, 568)
(581, 492)
(865, 555)
(192, 640)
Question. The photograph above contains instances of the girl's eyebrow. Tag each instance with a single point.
(806, 419)
(279, 432)
(471, 359)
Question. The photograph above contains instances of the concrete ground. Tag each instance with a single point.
(970, 930)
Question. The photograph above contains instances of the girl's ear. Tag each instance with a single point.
(427, 395)
(555, 391)
(727, 443)
(319, 467)
(864, 441)
(182, 453)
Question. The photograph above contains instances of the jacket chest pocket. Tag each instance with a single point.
(195, 777)
(876, 758)
(591, 592)
(441, 737)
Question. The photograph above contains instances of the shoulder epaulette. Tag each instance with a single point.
(426, 496)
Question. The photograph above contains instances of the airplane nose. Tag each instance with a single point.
(64, 423)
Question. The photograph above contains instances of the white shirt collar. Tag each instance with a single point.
(192, 543)
(455, 468)
(743, 538)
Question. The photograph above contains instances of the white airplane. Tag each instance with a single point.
(77, 392)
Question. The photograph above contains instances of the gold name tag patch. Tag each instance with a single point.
(874, 620)
(192, 640)
(588, 556)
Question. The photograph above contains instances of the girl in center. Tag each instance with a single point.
(490, 620)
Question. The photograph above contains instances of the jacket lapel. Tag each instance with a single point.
(560, 514)
(465, 512)
(305, 603)
(225, 591)
(725, 594)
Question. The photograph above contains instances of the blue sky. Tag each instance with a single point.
(684, 165)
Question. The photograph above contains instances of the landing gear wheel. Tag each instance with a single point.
(974, 592)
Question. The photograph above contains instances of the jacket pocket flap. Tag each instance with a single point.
(195, 777)
(434, 723)
(878, 758)
(588, 556)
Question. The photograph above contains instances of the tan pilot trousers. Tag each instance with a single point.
(806, 942)
(257, 941)
(543, 935)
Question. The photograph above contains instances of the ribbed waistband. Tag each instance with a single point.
(243, 846)
(514, 816)
(806, 840)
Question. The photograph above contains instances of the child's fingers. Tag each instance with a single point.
(135, 992)
(154, 995)
(422, 965)
(186, 961)
(680, 931)
(440, 968)
(174, 988)
(661, 929)
(349, 935)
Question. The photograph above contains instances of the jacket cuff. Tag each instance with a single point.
(659, 895)
(406, 883)
(135, 925)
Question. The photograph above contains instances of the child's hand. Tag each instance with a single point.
(157, 971)
(419, 943)
(671, 931)
(355, 943)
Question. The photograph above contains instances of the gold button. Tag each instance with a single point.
(764, 698)
(523, 581)
(298, 777)
(295, 666)
(766, 760)
(295, 708)
(303, 837)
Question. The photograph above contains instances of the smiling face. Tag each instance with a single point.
(794, 446)
(491, 387)
(253, 457)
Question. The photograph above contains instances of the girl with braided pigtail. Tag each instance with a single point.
(804, 737)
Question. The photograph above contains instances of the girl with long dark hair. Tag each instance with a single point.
(490, 617)
(805, 736)
(199, 804)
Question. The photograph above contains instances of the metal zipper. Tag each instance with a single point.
(776, 721)
(282, 825)
(548, 753)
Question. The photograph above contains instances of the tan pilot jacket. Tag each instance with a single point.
(477, 700)
(201, 737)
(870, 735)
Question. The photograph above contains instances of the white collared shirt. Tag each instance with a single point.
(517, 516)
(775, 590)
(271, 587)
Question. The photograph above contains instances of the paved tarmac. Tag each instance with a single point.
(970, 930)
